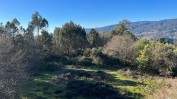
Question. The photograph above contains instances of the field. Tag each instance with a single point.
(68, 81)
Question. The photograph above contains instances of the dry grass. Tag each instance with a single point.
(156, 87)
(167, 91)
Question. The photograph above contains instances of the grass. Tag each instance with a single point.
(168, 91)
(41, 87)
(56, 84)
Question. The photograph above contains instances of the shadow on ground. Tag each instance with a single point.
(78, 83)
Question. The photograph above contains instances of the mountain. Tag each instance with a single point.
(149, 29)
(103, 29)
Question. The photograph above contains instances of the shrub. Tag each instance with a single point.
(96, 52)
(84, 61)
(98, 61)
(120, 47)
(157, 57)
(87, 53)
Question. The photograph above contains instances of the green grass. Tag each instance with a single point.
(44, 86)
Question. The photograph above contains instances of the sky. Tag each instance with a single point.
(87, 13)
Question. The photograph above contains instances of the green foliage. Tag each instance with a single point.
(93, 52)
(175, 51)
(57, 37)
(121, 30)
(96, 52)
(11, 28)
(101, 59)
(87, 52)
(150, 85)
(29, 35)
(163, 57)
(71, 40)
(139, 44)
(144, 58)
(70, 37)
(46, 40)
(70, 82)
(155, 57)
(93, 37)
(137, 47)
(38, 22)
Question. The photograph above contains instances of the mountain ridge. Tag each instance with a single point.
(149, 29)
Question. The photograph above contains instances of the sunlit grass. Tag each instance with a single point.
(43, 86)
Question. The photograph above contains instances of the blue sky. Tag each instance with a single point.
(87, 13)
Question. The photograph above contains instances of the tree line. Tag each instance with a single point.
(119, 44)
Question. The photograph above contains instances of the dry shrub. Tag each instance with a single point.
(14, 66)
(5, 44)
(12, 72)
(167, 91)
(120, 47)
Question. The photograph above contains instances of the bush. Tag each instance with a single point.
(87, 53)
(120, 47)
(157, 57)
(96, 52)
(85, 61)
(97, 57)
(98, 60)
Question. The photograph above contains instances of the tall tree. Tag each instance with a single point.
(38, 22)
(92, 37)
(71, 37)
(57, 37)
(28, 35)
(46, 40)
(7, 29)
(12, 28)
(121, 30)
(144, 58)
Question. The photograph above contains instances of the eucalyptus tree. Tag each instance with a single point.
(28, 35)
(11, 28)
(46, 41)
(38, 22)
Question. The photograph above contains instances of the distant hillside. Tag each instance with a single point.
(150, 29)
(103, 29)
